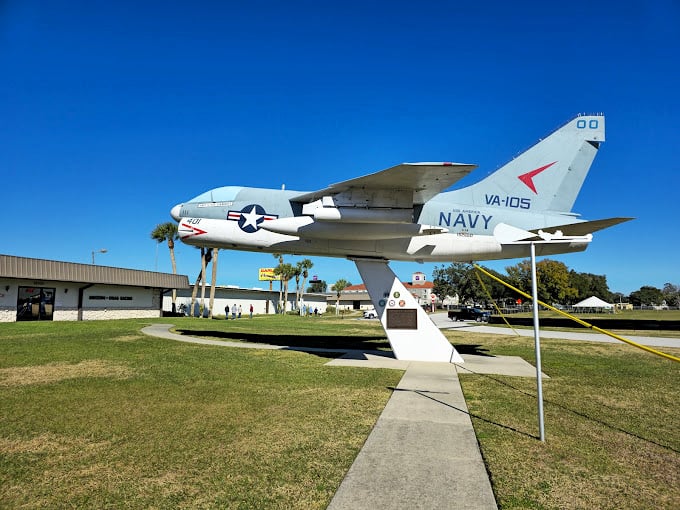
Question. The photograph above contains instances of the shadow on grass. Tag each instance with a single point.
(350, 343)
(475, 349)
(578, 413)
(365, 343)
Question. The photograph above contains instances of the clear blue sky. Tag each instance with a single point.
(113, 112)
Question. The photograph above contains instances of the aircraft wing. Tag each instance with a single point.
(425, 180)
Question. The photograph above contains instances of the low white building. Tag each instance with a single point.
(263, 301)
(37, 289)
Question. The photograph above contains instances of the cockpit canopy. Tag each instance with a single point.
(223, 194)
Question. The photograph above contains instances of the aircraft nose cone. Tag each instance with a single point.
(174, 212)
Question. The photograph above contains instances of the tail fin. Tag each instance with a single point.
(549, 175)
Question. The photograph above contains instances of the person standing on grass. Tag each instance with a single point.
(251, 310)
(240, 311)
(233, 312)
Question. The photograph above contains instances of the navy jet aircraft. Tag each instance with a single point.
(403, 213)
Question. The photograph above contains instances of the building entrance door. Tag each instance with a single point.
(35, 304)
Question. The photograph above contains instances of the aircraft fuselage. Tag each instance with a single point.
(238, 218)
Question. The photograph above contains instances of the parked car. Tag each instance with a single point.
(469, 313)
(370, 314)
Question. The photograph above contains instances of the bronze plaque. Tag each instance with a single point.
(402, 318)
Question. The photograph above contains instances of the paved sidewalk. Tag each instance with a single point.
(443, 322)
(422, 452)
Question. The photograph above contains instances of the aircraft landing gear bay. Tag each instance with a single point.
(411, 333)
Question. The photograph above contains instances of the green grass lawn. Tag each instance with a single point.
(611, 422)
(97, 415)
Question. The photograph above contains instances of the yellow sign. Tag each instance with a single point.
(267, 274)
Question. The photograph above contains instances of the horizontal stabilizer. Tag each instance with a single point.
(507, 234)
(583, 228)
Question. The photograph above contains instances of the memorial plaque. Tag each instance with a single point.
(402, 318)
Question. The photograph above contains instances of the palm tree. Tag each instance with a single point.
(302, 268)
(206, 255)
(194, 291)
(288, 273)
(279, 257)
(338, 287)
(212, 282)
(285, 273)
(297, 273)
(168, 232)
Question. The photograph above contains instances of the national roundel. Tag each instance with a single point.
(250, 217)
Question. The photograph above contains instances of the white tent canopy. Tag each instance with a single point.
(593, 302)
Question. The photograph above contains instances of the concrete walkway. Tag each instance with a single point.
(443, 322)
(422, 452)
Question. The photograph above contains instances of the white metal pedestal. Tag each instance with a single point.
(411, 333)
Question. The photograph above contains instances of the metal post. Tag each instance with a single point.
(103, 250)
(537, 344)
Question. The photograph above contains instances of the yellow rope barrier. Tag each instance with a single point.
(576, 319)
(493, 301)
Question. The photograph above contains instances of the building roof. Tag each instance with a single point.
(40, 269)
